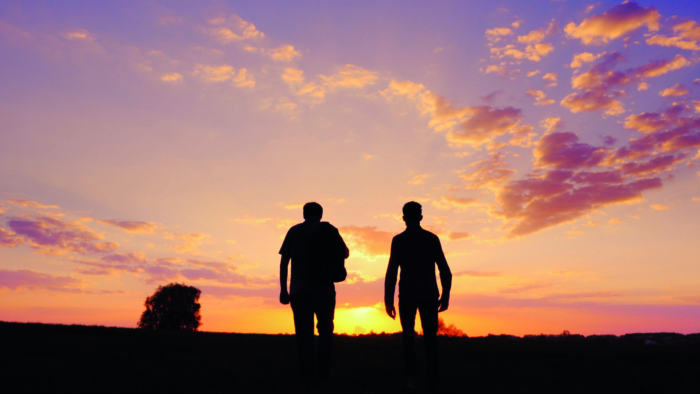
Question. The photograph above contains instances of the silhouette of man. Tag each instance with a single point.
(309, 296)
(417, 251)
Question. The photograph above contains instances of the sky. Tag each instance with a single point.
(554, 146)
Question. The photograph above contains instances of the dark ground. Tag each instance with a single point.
(39, 358)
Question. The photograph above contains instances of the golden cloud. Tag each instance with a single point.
(614, 23)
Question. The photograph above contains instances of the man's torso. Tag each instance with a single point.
(416, 250)
(296, 245)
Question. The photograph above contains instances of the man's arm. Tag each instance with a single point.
(284, 294)
(445, 278)
(392, 271)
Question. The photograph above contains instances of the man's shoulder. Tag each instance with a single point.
(412, 235)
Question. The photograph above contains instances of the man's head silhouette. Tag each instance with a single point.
(313, 211)
(412, 212)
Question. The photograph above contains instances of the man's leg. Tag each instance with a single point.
(302, 308)
(429, 321)
(324, 307)
(407, 315)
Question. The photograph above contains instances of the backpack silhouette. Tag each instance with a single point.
(327, 254)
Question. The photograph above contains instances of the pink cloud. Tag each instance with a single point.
(132, 226)
(32, 280)
(54, 237)
(614, 23)
(562, 150)
(367, 241)
(9, 240)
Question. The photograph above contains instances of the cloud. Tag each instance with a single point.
(32, 280)
(478, 274)
(32, 204)
(540, 97)
(350, 76)
(174, 77)
(489, 172)
(484, 124)
(54, 237)
(223, 73)
(562, 150)
(367, 241)
(9, 240)
(584, 57)
(522, 288)
(550, 77)
(447, 203)
(542, 201)
(232, 29)
(419, 179)
(659, 207)
(285, 53)
(533, 73)
(132, 226)
(674, 91)
(458, 236)
(687, 37)
(78, 35)
(495, 35)
(614, 23)
(600, 85)
(528, 46)
(190, 241)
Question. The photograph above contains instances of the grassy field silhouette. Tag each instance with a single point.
(59, 358)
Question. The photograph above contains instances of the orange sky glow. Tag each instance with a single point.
(554, 146)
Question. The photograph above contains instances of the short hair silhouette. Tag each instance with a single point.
(412, 211)
(313, 210)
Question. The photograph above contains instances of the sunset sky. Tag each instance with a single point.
(554, 146)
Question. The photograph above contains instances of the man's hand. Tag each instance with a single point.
(443, 304)
(284, 297)
(391, 311)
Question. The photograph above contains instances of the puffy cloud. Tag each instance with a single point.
(653, 121)
(485, 123)
(32, 204)
(550, 77)
(659, 207)
(174, 77)
(495, 35)
(687, 37)
(447, 203)
(54, 237)
(489, 172)
(674, 91)
(419, 179)
(285, 53)
(533, 73)
(562, 150)
(224, 73)
(614, 23)
(584, 57)
(475, 125)
(552, 124)
(9, 240)
(600, 83)
(132, 226)
(367, 241)
(296, 81)
(350, 76)
(542, 201)
(540, 97)
(32, 280)
(530, 46)
(232, 29)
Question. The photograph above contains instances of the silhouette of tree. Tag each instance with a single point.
(449, 331)
(173, 307)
